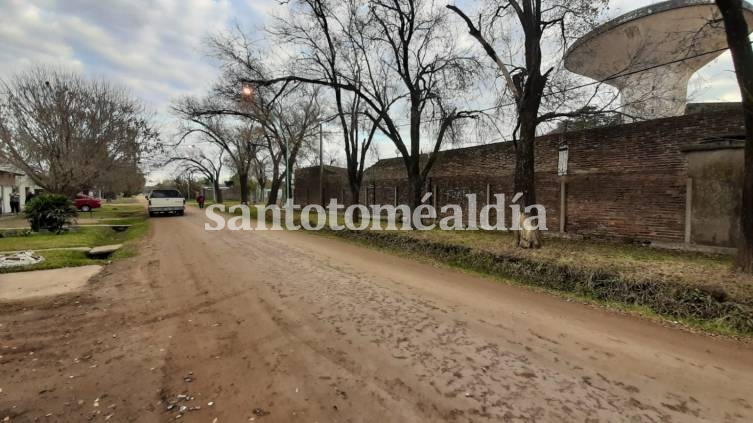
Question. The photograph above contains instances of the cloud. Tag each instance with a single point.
(152, 47)
(156, 48)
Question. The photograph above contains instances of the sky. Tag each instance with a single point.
(155, 48)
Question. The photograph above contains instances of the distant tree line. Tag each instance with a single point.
(70, 134)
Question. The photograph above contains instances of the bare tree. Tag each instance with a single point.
(321, 28)
(235, 137)
(210, 165)
(742, 56)
(290, 124)
(249, 148)
(67, 133)
(184, 181)
(125, 178)
(410, 67)
(528, 79)
(259, 169)
(287, 117)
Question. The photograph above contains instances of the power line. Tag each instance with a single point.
(588, 84)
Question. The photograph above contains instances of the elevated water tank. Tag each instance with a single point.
(650, 54)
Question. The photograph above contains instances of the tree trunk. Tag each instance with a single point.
(415, 181)
(275, 184)
(742, 56)
(415, 190)
(262, 184)
(355, 198)
(217, 192)
(274, 188)
(244, 187)
(415, 184)
(525, 174)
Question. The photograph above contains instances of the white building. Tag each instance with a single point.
(13, 180)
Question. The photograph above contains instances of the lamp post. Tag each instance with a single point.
(247, 93)
(287, 171)
(321, 157)
(250, 144)
(321, 164)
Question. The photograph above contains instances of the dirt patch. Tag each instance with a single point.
(43, 283)
(289, 327)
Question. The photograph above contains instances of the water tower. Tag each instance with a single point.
(632, 53)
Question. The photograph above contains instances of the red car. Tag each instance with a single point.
(85, 203)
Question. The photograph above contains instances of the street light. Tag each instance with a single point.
(321, 156)
(247, 92)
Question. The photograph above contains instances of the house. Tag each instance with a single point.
(12, 180)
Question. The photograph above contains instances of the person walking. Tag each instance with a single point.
(15, 203)
(200, 200)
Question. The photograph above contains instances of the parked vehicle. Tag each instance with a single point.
(166, 201)
(85, 203)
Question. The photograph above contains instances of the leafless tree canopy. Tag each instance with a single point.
(287, 117)
(208, 164)
(235, 138)
(320, 30)
(397, 59)
(70, 134)
(514, 35)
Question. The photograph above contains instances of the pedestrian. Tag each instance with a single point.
(15, 203)
(200, 200)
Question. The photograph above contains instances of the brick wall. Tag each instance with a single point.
(334, 184)
(625, 181)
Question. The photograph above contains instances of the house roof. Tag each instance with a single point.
(6, 168)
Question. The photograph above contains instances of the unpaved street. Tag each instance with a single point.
(281, 326)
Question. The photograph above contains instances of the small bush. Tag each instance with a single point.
(51, 212)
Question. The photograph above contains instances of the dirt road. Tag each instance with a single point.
(281, 326)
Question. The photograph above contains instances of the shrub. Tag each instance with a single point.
(51, 212)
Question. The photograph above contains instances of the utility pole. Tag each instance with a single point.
(321, 165)
(287, 170)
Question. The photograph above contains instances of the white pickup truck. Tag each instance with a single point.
(166, 201)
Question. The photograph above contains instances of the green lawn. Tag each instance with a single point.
(83, 236)
(109, 214)
(116, 211)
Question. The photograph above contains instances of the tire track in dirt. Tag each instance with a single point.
(280, 326)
